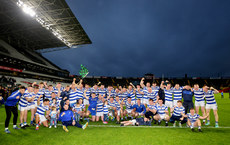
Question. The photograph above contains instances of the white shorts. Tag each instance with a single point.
(128, 111)
(100, 114)
(30, 107)
(118, 112)
(36, 104)
(42, 118)
(22, 108)
(145, 101)
(133, 121)
(86, 102)
(163, 116)
(169, 104)
(211, 106)
(200, 103)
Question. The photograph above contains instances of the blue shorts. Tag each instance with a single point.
(92, 111)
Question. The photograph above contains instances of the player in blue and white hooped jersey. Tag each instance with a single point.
(154, 87)
(73, 95)
(106, 112)
(131, 94)
(139, 93)
(177, 94)
(177, 114)
(150, 110)
(129, 107)
(99, 108)
(168, 95)
(95, 90)
(162, 112)
(48, 92)
(79, 110)
(112, 107)
(123, 94)
(193, 119)
(80, 92)
(32, 104)
(211, 103)
(110, 92)
(117, 93)
(102, 91)
(87, 91)
(42, 108)
(119, 110)
(199, 99)
(23, 106)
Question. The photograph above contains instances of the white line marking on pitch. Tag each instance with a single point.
(118, 126)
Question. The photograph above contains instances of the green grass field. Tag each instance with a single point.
(113, 134)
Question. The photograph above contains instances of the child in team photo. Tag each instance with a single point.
(53, 117)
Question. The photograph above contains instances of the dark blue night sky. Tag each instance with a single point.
(134, 37)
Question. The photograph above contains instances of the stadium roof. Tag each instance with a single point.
(43, 24)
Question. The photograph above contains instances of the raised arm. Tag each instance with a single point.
(215, 90)
(142, 83)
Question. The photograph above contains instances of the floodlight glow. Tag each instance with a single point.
(28, 10)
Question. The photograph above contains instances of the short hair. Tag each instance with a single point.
(192, 109)
(150, 99)
(46, 100)
(36, 87)
(22, 87)
(138, 99)
(160, 99)
(41, 83)
(29, 85)
(50, 86)
(54, 99)
(129, 97)
(53, 107)
(179, 101)
(117, 96)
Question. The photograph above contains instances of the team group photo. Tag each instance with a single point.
(114, 72)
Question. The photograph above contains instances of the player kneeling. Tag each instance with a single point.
(194, 119)
(40, 114)
(162, 113)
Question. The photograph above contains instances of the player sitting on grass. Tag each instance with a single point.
(194, 119)
(138, 109)
(137, 122)
(177, 114)
(67, 119)
(162, 113)
(40, 114)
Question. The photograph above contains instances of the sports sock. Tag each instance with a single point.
(36, 125)
(14, 126)
(25, 123)
(199, 127)
(208, 120)
(6, 128)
